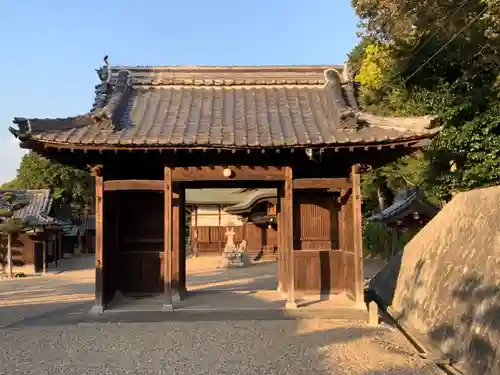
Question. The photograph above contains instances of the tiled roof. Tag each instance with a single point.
(213, 196)
(222, 196)
(38, 208)
(406, 203)
(251, 199)
(239, 107)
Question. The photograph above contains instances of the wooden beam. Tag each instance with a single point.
(98, 307)
(119, 185)
(336, 184)
(238, 173)
(358, 233)
(288, 238)
(167, 250)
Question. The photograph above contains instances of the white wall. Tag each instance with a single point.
(208, 216)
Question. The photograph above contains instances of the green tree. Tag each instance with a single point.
(432, 57)
(9, 185)
(72, 189)
(435, 57)
(10, 226)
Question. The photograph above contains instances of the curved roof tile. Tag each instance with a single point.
(240, 107)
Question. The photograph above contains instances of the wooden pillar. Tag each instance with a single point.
(182, 243)
(60, 245)
(341, 219)
(357, 233)
(175, 246)
(288, 238)
(194, 236)
(57, 245)
(221, 244)
(99, 233)
(178, 247)
(279, 219)
(44, 256)
(168, 240)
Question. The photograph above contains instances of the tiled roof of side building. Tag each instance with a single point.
(38, 207)
(234, 107)
(231, 197)
(406, 203)
(251, 199)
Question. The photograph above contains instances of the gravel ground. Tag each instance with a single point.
(225, 347)
(26, 298)
(46, 330)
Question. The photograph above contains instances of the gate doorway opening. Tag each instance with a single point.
(249, 215)
(228, 218)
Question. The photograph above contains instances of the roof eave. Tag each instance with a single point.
(418, 141)
(399, 210)
(250, 203)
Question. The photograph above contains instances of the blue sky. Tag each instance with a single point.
(51, 48)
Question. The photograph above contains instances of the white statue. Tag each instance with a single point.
(233, 255)
(230, 245)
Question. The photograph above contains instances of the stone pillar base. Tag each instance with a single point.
(176, 296)
(96, 310)
(167, 307)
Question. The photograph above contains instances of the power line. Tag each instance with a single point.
(447, 43)
(444, 20)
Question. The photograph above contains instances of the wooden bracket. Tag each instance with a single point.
(96, 170)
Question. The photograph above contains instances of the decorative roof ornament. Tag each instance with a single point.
(104, 72)
(103, 89)
(106, 115)
(109, 96)
(347, 75)
(24, 128)
(348, 85)
(348, 112)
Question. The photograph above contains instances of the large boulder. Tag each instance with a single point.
(447, 293)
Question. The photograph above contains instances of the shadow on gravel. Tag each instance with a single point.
(259, 276)
(294, 338)
(54, 314)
